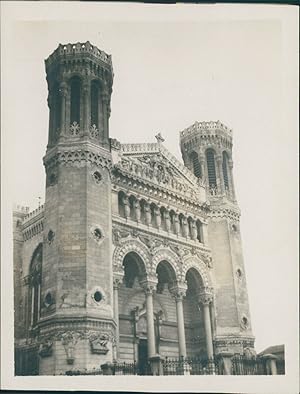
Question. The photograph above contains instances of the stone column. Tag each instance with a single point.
(126, 207)
(230, 175)
(185, 229)
(52, 132)
(205, 297)
(86, 90)
(32, 304)
(149, 286)
(116, 284)
(202, 165)
(147, 214)
(63, 90)
(193, 230)
(204, 233)
(178, 293)
(106, 113)
(220, 183)
(176, 224)
(137, 210)
(157, 217)
(39, 302)
(167, 220)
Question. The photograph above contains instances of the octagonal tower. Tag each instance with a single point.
(207, 151)
(76, 325)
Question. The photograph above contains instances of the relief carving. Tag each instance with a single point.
(98, 342)
(45, 348)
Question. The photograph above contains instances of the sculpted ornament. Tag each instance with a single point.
(69, 340)
(118, 234)
(45, 348)
(98, 343)
(74, 129)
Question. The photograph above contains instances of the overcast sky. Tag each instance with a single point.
(173, 67)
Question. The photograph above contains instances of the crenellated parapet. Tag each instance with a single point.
(85, 50)
(80, 79)
(206, 131)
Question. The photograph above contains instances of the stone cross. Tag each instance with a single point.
(159, 138)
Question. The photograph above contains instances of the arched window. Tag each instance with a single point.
(211, 169)
(196, 165)
(225, 170)
(56, 111)
(94, 103)
(35, 273)
(75, 99)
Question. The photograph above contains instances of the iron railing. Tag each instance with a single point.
(242, 365)
(189, 366)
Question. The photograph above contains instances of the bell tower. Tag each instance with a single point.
(207, 151)
(76, 325)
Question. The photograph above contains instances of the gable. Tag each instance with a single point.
(155, 164)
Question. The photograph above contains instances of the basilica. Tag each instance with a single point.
(135, 258)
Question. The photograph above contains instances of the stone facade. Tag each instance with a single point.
(133, 254)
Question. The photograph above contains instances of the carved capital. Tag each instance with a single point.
(218, 159)
(178, 291)
(86, 87)
(205, 296)
(148, 285)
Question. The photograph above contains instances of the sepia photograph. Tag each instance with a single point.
(149, 197)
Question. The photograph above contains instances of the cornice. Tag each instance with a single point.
(78, 153)
(163, 239)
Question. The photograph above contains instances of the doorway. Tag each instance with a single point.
(142, 357)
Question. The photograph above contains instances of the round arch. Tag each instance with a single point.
(126, 247)
(197, 264)
(165, 255)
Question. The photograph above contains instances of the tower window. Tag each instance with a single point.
(57, 111)
(94, 103)
(35, 272)
(211, 169)
(196, 165)
(225, 170)
(75, 100)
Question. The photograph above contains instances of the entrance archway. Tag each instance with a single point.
(195, 331)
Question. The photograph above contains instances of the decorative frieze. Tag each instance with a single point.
(77, 157)
(232, 214)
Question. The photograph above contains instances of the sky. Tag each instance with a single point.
(174, 66)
